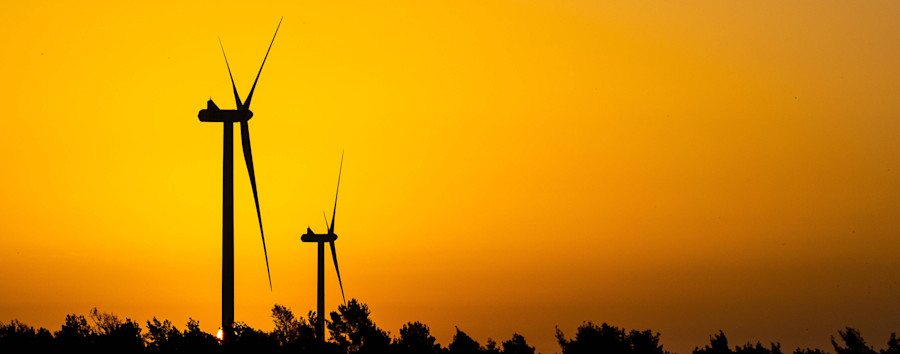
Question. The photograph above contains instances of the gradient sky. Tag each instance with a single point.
(510, 165)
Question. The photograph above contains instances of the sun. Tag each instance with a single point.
(219, 334)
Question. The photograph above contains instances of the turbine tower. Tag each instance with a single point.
(241, 114)
(330, 237)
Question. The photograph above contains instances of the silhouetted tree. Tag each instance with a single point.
(75, 326)
(104, 323)
(17, 337)
(591, 338)
(249, 340)
(416, 338)
(893, 345)
(645, 342)
(294, 334)
(853, 343)
(287, 327)
(355, 332)
(125, 339)
(44, 340)
(718, 344)
(115, 335)
(809, 351)
(490, 347)
(774, 348)
(162, 336)
(517, 345)
(463, 344)
(196, 341)
(75, 333)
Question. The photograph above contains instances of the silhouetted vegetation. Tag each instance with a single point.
(718, 344)
(463, 344)
(517, 345)
(415, 337)
(353, 332)
(809, 351)
(853, 343)
(293, 334)
(591, 338)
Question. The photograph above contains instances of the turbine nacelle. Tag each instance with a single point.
(212, 113)
(314, 237)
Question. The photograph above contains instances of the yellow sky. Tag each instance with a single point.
(510, 165)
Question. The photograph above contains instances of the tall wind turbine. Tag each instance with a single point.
(242, 114)
(330, 237)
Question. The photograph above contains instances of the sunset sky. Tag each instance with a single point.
(510, 166)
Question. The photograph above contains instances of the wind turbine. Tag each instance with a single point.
(242, 114)
(330, 237)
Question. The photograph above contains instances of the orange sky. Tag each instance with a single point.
(510, 165)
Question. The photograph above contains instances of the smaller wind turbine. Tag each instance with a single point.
(330, 237)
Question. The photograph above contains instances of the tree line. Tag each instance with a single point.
(353, 332)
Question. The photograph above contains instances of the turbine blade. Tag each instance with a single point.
(334, 213)
(237, 98)
(250, 96)
(326, 219)
(334, 256)
(248, 158)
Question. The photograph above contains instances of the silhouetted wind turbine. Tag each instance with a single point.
(242, 114)
(330, 237)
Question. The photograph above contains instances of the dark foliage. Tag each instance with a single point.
(893, 345)
(718, 344)
(591, 338)
(853, 343)
(809, 351)
(416, 338)
(490, 347)
(162, 337)
(114, 335)
(645, 342)
(517, 345)
(353, 331)
(774, 348)
(463, 344)
(19, 337)
(249, 340)
(196, 341)
(295, 334)
(75, 333)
